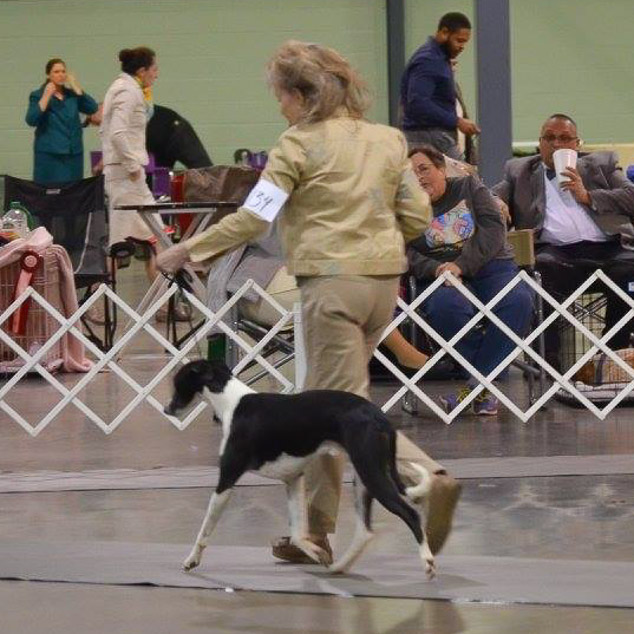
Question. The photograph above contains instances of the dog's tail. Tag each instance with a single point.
(421, 490)
(418, 491)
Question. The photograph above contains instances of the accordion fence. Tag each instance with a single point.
(142, 324)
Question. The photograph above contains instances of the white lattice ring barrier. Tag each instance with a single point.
(523, 345)
(108, 359)
(33, 361)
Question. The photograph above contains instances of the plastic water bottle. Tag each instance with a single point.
(15, 222)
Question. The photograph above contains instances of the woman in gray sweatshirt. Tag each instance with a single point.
(467, 237)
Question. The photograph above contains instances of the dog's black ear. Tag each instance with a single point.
(215, 375)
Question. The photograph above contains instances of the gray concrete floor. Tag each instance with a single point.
(581, 517)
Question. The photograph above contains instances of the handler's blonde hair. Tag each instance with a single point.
(323, 77)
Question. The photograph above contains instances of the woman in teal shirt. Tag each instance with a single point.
(54, 113)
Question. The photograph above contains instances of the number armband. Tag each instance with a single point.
(266, 200)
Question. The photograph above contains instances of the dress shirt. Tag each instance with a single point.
(566, 221)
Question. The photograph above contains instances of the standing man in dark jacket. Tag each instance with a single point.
(428, 91)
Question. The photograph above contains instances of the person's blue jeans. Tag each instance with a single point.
(447, 311)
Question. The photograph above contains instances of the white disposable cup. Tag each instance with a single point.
(562, 159)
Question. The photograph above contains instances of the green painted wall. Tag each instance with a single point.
(576, 57)
(570, 56)
(211, 53)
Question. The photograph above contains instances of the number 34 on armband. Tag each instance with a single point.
(266, 200)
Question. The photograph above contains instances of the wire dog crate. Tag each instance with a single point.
(40, 325)
(590, 311)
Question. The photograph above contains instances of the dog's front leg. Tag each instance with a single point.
(298, 520)
(214, 510)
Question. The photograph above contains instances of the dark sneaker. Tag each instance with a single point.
(485, 404)
(440, 506)
(449, 402)
(284, 550)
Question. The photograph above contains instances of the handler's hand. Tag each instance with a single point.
(504, 210)
(172, 259)
(49, 89)
(575, 186)
(468, 127)
(453, 268)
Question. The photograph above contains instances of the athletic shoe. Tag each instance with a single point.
(449, 402)
(485, 404)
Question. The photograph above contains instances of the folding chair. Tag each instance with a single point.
(279, 351)
(75, 215)
(252, 315)
(233, 183)
(523, 244)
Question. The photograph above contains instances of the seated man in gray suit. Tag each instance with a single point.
(580, 225)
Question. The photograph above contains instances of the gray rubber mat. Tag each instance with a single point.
(120, 479)
(207, 477)
(488, 579)
(540, 466)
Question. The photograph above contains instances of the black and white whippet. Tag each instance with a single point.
(278, 434)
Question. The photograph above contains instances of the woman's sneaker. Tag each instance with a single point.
(449, 402)
(484, 404)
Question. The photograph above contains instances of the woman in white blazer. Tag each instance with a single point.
(126, 110)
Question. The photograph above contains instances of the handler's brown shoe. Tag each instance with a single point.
(284, 550)
(440, 506)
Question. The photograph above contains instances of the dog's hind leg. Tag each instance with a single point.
(363, 532)
(385, 494)
(298, 520)
(384, 489)
(214, 510)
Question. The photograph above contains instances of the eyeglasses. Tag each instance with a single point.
(564, 139)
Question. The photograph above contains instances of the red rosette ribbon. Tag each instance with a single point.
(29, 263)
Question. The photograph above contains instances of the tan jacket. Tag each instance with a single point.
(123, 127)
(354, 201)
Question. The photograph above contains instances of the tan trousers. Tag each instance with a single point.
(344, 317)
